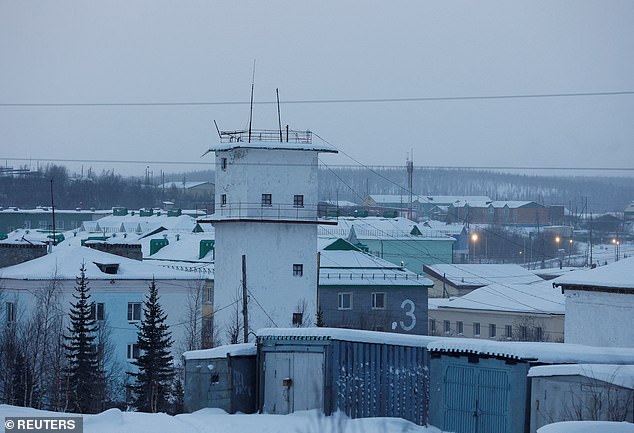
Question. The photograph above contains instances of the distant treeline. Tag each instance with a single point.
(602, 194)
(105, 190)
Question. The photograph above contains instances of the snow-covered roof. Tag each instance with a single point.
(539, 298)
(482, 274)
(64, 263)
(381, 228)
(273, 145)
(183, 185)
(356, 268)
(354, 335)
(427, 199)
(340, 203)
(615, 275)
(621, 375)
(242, 349)
(140, 224)
(47, 210)
(549, 353)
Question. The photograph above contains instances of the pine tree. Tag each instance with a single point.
(84, 376)
(155, 375)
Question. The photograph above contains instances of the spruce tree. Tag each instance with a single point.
(84, 378)
(153, 380)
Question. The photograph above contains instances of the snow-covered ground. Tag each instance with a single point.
(218, 421)
(588, 427)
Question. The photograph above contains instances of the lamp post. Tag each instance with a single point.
(617, 247)
(474, 239)
(557, 240)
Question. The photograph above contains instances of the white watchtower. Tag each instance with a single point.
(266, 210)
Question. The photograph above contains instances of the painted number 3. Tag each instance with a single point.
(409, 312)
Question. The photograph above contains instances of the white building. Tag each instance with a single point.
(118, 288)
(600, 305)
(266, 212)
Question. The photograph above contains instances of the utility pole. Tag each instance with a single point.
(245, 311)
(410, 182)
(53, 211)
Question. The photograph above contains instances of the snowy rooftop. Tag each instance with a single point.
(140, 224)
(243, 349)
(182, 185)
(272, 145)
(621, 375)
(531, 298)
(615, 275)
(354, 335)
(549, 353)
(432, 199)
(362, 269)
(482, 274)
(381, 228)
(65, 263)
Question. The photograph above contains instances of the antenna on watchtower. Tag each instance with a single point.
(251, 109)
(279, 116)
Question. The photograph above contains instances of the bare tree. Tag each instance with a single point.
(596, 400)
(235, 326)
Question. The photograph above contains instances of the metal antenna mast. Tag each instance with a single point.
(251, 109)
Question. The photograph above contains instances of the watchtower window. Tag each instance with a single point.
(267, 200)
(223, 164)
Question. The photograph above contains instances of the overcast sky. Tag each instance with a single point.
(123, 51)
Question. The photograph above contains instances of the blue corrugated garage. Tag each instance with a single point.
(362, 373)
(482, 386)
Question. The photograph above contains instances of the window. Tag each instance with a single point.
(460, 328)
(432, 327)
(223, 164)
(476, 329)
(539, 334)
(298, 200)
(345, 301)
(298, 270)
(446, 326)
(492, 330)
(209, 293)
(508, 332)
(267, 200)
(523, 333)
(223, 200)
(378, 301)
(134, 311)
(298, 319)
(133, 351)
(97, 311)
(10, 312)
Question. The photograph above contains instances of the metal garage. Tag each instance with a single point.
(362, 373)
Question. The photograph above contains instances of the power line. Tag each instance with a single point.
(323, 101)
(356, 166)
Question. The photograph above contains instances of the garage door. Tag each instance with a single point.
(476, 400)
(293, 381)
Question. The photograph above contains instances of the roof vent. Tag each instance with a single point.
(108, 268)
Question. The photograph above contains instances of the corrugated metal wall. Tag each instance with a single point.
(369, 380)
(478, 395)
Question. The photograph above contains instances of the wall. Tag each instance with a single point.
(271, 249)
(405, 308)
(253, 172)
(552, 325)
(599, 318)
(115, 294)
(224, 383)
(12, 254)
(414, 253)
(571, 398)
(493, 389)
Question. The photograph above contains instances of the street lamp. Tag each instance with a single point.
(617, 252)
(474, 239)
